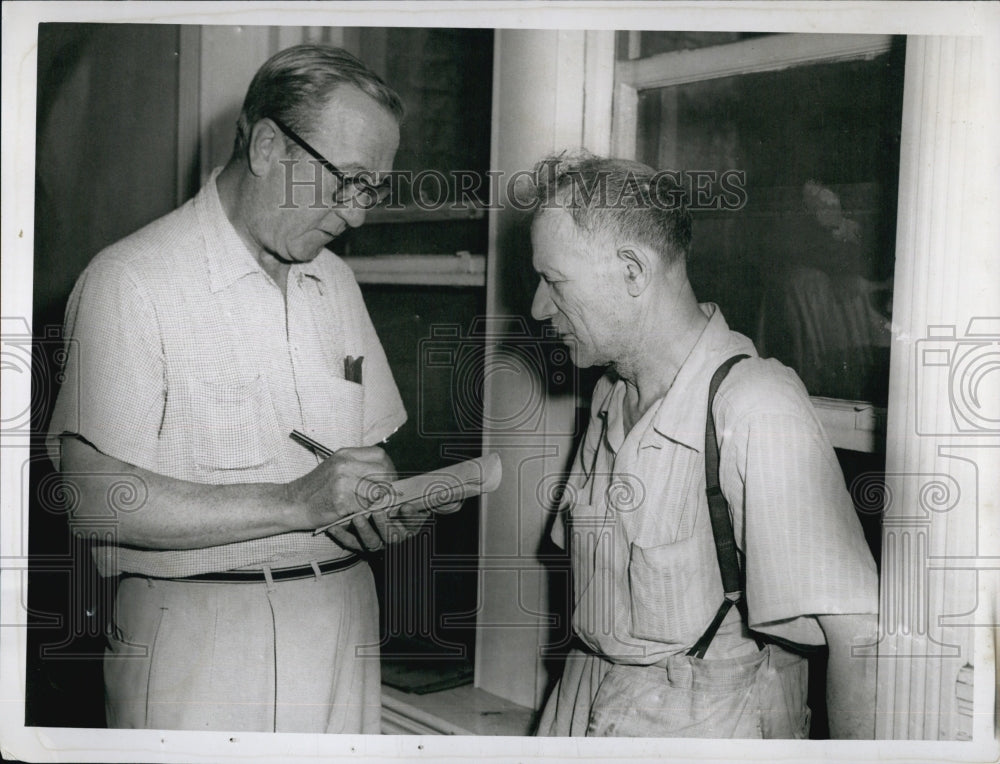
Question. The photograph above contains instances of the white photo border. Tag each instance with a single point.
(20, 20)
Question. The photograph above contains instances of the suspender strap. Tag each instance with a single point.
(718, 507)
(722, 526)
(701, 646)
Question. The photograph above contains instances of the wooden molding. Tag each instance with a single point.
(759, 54)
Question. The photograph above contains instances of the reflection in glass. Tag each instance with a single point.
(803, 263)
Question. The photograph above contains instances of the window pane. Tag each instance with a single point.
(652, 42)
(444, 77)
(793, 178)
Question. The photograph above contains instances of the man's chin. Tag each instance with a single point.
(312, 245)
(308, 254)
(579, 358)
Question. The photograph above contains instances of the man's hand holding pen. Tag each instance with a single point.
(348, 481)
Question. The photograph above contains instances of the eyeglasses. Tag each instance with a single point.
(349, 186)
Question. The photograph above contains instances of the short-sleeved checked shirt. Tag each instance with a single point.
(190, 363)
(646, 576)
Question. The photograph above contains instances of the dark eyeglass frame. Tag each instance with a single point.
(376, 193)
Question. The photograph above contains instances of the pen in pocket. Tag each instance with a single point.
(352, 368)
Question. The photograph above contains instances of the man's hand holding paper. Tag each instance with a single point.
(344, 485)
(380, 507)
(397, 509)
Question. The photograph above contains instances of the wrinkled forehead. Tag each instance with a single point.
(558, 221)
(556, 238)
(554, 227)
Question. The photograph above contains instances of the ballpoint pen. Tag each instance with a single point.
(315, 446)
(318, 448)
(323, 453)
(441, 491)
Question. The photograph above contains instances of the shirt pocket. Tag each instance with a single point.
(339, 420)
(675, 590)
(233, 427)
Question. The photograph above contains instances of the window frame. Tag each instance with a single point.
(851, 425)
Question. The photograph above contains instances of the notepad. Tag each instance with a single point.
(438, 491)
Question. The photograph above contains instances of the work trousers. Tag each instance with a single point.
(288, 656)
(759, 695)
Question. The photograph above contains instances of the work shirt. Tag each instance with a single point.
(646, 577)
(184, 359)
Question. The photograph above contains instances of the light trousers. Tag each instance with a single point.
(291, 656)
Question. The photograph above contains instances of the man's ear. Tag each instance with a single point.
(636, 267)
(262, 147)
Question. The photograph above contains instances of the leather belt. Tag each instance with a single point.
(277, 574)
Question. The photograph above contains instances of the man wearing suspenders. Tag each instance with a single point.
(684, 502)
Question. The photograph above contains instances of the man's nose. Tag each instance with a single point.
(542, 306)
(351, 212)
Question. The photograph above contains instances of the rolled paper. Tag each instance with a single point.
(435, 491)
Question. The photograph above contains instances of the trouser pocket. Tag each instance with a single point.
(128, 659)
(783, 684)
(761, 695)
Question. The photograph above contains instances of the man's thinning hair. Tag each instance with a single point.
(295, 84)
(625, 199)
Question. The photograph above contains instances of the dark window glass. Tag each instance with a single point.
(793, 178)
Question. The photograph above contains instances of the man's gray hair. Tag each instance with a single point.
(295, 84)
(620, 197)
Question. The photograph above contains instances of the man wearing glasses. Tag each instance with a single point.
(199, 343)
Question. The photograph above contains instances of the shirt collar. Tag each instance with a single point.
(682, 411)
(680, 414)
(227, 256)
(311, 269)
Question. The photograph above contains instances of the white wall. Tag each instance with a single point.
(542, 80)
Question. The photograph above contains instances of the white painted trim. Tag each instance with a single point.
(536, 109)
(285, 37)
(852, 425)
(412, 213)
(324, 34)
(626, 110)
(229, 57)
(402, 718)
(458, 270)
(759, 54)
(568, 91)
(940, 485)
(634, 44)
(598, 90)
(463, 710)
